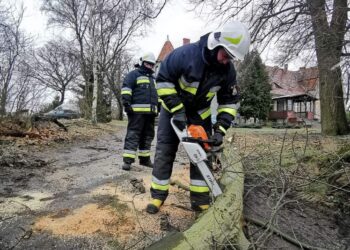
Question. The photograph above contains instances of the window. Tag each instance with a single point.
(290, 104)
(280, 105)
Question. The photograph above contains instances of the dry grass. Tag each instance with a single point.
(304, 161)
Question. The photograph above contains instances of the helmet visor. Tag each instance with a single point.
(230, 56)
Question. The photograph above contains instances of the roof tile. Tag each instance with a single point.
(167, 48)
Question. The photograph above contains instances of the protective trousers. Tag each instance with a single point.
(140, 134)
(166, 148)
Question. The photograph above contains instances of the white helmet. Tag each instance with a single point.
(148, 57)
(234, 37)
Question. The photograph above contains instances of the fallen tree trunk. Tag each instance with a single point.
(19, 134)
(37, 118)
(221, 225)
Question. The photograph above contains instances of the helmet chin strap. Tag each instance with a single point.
(211, 55)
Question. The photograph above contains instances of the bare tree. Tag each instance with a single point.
(56, 66)
(316, 26)
(13, 43)
(102, 29)
(26, 93)
(114, 79)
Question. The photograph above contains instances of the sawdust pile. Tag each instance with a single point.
(121, 213)
(88, 220)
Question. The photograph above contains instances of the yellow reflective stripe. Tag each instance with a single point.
(165, 107)
(199, 189)
(178, 107)
(210, 95)
(129, 155)
(142, 81)
(192, 90)
(234, 40)
(231, 111)
(126, 92)
(157, 202)
(141, 109)
(204, 207)
(160, 187)
(223, 129)
(143, 154)
(206, 114)
(167, 91)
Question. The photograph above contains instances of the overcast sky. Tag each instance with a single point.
(174, 21)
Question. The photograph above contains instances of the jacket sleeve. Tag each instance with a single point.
(228, 97)
(167, 81)
(127, 88)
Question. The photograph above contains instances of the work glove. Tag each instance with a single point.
(217, 139)
(179, 119)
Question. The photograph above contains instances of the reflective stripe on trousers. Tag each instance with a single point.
(140, 134)
(166, 148)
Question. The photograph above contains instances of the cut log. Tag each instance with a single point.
(221, 226)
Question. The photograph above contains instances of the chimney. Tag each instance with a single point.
(185, 41)
(286, 67)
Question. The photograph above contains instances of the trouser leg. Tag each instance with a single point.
(146, 139)
(199, 190)
(166, 148)
(132, 138)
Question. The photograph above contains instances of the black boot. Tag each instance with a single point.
(126, 166)
(146, 162)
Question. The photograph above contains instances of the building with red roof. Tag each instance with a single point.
(295, 94)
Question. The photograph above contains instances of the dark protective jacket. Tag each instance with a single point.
(139, 91)
(190, 77)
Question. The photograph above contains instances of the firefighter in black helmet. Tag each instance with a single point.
(140, 101)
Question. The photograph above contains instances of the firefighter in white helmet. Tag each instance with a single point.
(140, 100)
(187, 81)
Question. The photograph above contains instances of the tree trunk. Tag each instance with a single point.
(220, 227)
(329, 42)
(88, 99)
(61, 101)
(3, 101)
(120, 109)
(94, 95)
(348, 89)
(333, 117)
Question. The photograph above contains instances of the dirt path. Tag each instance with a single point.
(74, 195)
(78, 197)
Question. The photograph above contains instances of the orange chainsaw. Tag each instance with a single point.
(197, 146)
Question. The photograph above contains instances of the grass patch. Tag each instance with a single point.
(113, 202)
(119, 206)
(115, 244)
